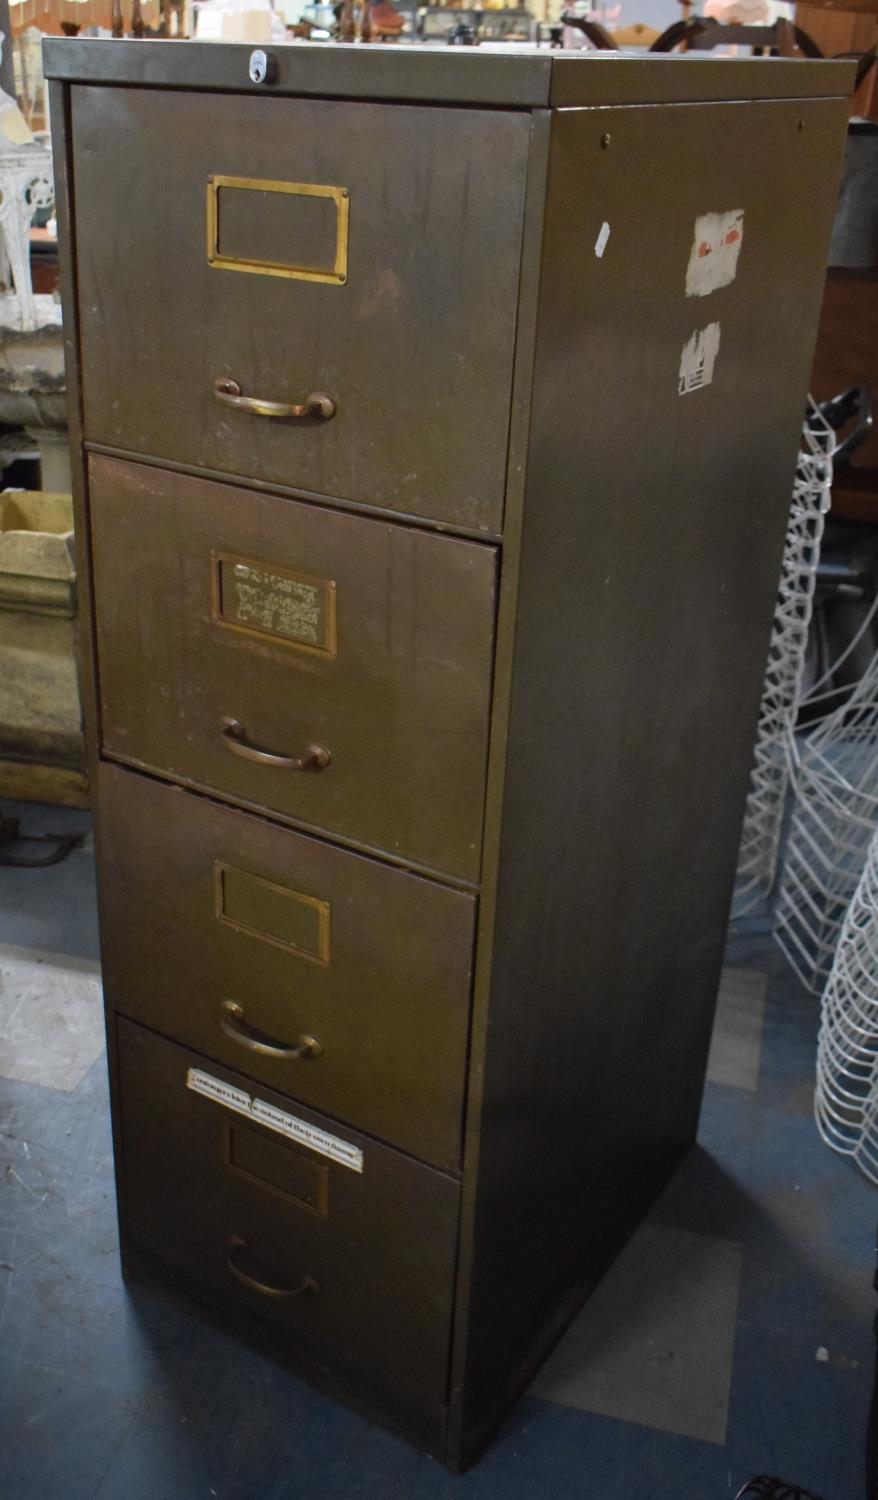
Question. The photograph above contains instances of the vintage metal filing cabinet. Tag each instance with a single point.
(437, 415)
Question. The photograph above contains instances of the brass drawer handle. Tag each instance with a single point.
(317, 404)
(237, 1250)
(316, 758)
(234, 1025)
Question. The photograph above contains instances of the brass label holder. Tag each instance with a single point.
(275, 604)
(231, 884)
(337, 276)
(237, 1137)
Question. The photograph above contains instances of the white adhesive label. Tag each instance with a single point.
(275, 1119)
(699, 358)
(600, 243)
(713, 259)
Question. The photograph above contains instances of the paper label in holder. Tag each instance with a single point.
(272, 1118)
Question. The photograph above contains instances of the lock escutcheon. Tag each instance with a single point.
(263, 66)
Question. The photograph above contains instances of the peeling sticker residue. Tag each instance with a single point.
(600, 243)
(713, 259)
(698, 359)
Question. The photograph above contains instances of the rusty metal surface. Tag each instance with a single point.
(525, 78)
(382, 1253)
(654, 517)
(644, 509)
(387, 998)
(414, 349)
(402, 707)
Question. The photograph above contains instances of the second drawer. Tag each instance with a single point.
(236, 629)
(243, 940)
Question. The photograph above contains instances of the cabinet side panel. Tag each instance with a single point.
(651, 547)
(59, 106)
(69, 251)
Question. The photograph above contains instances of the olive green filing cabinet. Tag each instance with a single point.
(437, 416)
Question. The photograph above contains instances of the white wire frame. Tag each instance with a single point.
(826, 911)
(774, 755)
(832, 825)
(835, 815)
(846, 1097)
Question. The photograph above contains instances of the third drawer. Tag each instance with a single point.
(247, 942)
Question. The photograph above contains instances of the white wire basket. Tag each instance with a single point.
(782, 689)
(835, 815)
(846, 1099)
(826, 908)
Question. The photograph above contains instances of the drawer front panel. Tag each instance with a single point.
(218, 606)
(366, 252)
(378, 976)
(242, 1206)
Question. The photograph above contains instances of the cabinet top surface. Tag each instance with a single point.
(508, 76)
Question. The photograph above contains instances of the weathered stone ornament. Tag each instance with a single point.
(25, 186)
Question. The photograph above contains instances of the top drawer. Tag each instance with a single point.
(368, 252)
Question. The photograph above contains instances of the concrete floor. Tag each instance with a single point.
(732, 1337)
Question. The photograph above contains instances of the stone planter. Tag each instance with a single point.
(33, 391)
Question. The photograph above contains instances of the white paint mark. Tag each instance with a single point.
(698, 359)
(11, 1172)
(822, 1356)
(600, 243)
(713, 259)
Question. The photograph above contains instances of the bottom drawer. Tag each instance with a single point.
(344, 1244)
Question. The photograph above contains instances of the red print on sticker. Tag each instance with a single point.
(716, 246)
